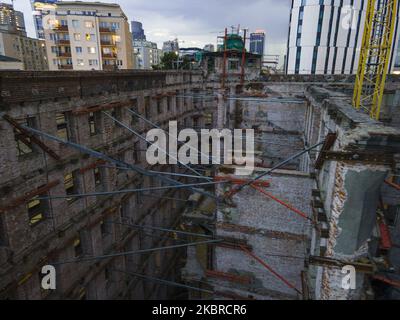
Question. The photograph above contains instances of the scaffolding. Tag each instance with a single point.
(375, 56)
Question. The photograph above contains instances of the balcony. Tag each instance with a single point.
(63, 41)
(106, 30)
(63, 54)
(61, 29)
(65, 67)
(109, 55)
(106, 43)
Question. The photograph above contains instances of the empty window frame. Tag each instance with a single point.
(97, 177)
(3, 235)
(71, 185)
(169, 103)
(107, 276)
(233, 65)
(121, 157)
(208, 120)
(124, 210)
(134, 108)
(178, 101)
(24, 145)
(139, 197)
(82, 294)
(105, 228)
(159, 106)
(136, 152)
(37, 210)
(117, 114)
(63, 126)
(147, 110)
(78, 248)
(93, 123)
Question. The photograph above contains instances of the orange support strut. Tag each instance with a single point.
(250, 254)
(290, 207)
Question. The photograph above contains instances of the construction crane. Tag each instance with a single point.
(375, 56)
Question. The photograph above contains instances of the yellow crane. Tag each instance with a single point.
(375, 56)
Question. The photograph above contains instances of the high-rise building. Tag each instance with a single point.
(325, 36)
(209, 48)
(11, 20)
(257, 42)
(16, 45)
(147, 54)
(41, 8)
(88, 36)
(137, 31)
(171, 46)
(396, 68)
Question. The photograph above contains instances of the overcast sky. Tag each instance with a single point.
(197, 22)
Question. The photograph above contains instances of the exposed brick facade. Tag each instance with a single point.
(86, 226)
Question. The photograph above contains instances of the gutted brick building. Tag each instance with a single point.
(36, 231)
(286, 237)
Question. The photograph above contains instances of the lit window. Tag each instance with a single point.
(78, 248)
(77, 36)
(89, 24)
(81, 62)
(36, 211)
(91, 50)
(82, 294)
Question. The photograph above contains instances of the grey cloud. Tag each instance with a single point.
(197, 21)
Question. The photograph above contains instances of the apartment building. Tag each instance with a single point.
(147, 54)
(11, 18)
(30, 51)
(88, 36)
(7, 63)
(15, 45)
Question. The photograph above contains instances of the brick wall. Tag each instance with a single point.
(26, 247)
